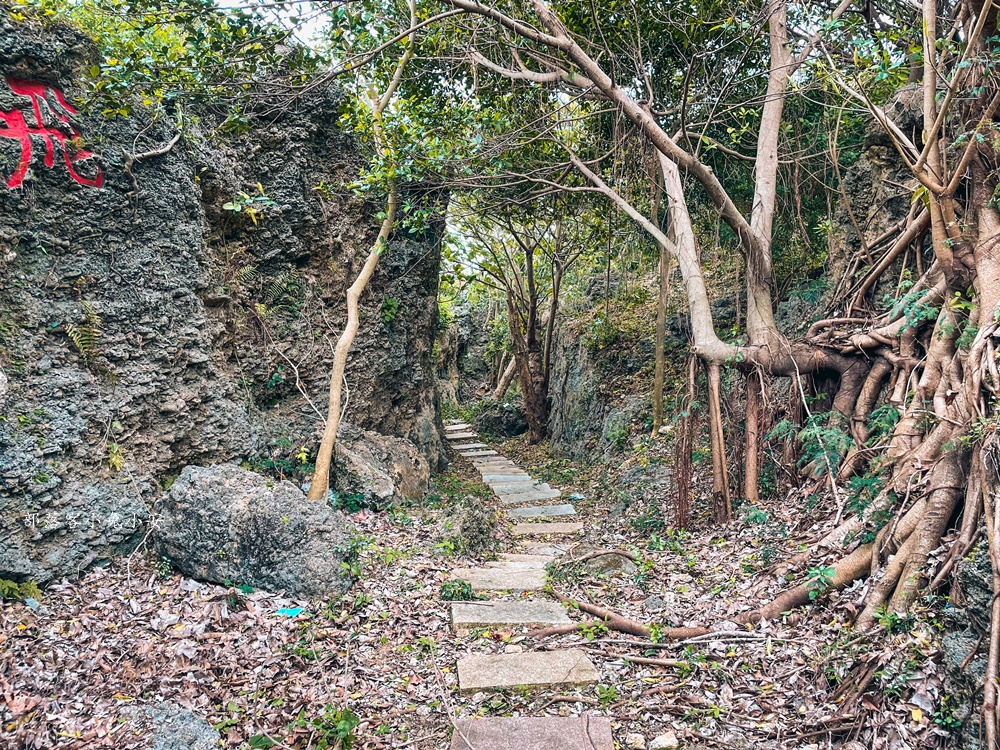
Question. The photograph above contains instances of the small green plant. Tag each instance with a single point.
(592, 632)
(251, 205)
(15, 591)
(163, 567)
(86, 335)
(446, 547)
(945, 717)
(457, 591)
(755, 515)
(334, 728)
(606, 695)
(390, 308)
(819, 580)
(349, 503)
(823, 442)
(893, 622)
(116, 459)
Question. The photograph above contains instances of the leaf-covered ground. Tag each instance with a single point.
(266, 669)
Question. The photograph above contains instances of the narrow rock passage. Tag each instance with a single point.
(525, 498)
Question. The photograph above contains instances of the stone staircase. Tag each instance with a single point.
(527, 501)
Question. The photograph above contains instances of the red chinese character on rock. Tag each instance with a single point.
(62, 132)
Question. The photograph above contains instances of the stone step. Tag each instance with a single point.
(542, 511)
(463, 426)
(502, 578)
(544, 529)
(461, 436)
(509, 478)
(545, 549)
(506, 480)
(502, 470)
(469, 454)
(516, 564)
(525, 492)
(516, 557)
(469, 446)
(533, 733)
(519, 498)
(564, 668)
(469, 616)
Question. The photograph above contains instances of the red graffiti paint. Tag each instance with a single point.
(62, 131)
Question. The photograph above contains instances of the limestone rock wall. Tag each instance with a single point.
(145, 326)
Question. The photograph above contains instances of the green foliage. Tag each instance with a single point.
(862, 490)
(823, 443)
(601, 333)
(499, 339)
(390, 308)
(332, 729)
(967, 337)
(19, 591)
(881, 423)
(163, 567)
(457, 591)
(357, 545)
(593, 632)
(86, 335)
(893, 622)
(116, 459)
(164, 52)
(819, 580)
(250, 205)
(606, 695)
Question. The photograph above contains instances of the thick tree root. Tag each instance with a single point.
(856, 565)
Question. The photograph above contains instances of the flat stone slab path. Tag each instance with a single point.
(542, 511)
(563, 668)
(529, 733)
(469, 616)
(525, 497)
(514, 578)
(544, 529)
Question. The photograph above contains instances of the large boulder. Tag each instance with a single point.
(501, 419)
(377, 471)
(167, 726)
(223, 523)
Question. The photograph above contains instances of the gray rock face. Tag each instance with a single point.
(170, 727)
(964, 676)
(377, 470)
(584, 420)
(225, 523)
(145, 330)
(501, 419)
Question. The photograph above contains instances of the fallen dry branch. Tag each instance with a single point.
(622, 624)
(656, 662)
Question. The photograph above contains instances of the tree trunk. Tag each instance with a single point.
(720, 478)
(683, 447)
(321, 476)
(661, 338)
(505, 380)
(751, 456)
